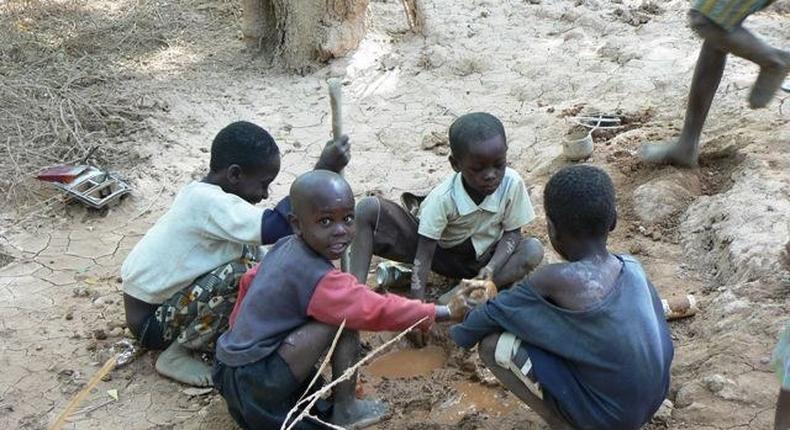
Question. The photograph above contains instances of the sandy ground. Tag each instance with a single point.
(718, 232)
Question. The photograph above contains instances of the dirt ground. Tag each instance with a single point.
(719, 232)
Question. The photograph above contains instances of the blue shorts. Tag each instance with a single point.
(259, 395)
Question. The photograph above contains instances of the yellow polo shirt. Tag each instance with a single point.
(449, 215)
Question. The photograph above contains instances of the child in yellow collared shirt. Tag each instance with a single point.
(468, 226)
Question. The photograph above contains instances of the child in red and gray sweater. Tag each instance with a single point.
(291, 311)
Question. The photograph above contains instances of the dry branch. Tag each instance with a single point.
(310, 400)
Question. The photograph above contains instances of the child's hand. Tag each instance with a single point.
(485, 274)
(471, 294)
(459, 305)
(335, 155)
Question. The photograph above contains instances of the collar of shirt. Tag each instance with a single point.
(466, 205)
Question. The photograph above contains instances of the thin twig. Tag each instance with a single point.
(89, 409)
(327, 358)
(313, 398)
(328, 424)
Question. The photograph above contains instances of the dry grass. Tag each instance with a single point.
(70, 73)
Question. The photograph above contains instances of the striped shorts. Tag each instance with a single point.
(728, 14)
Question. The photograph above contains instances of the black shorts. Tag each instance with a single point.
(259, 395)
(395, 238)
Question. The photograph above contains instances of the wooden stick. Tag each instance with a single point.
(335, 102)
(107, 368)
(318, 373)
(409, 14)
(326, 359)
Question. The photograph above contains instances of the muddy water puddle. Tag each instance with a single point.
(408, 363)
(472, 397)
(462, 399)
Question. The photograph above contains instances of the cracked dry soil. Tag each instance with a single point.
(530, 63)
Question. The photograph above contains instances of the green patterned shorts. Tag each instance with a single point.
(198, 314)
(729, 13)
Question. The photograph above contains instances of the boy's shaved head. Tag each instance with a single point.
(315, 187)
(323, 212)
(471, 129)
(580, 200)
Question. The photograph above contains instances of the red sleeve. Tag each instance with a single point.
(339, 296)
(244, 285)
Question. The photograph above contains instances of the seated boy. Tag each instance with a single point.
(720, 24)
(583, 343)
(292, 311)
(180, 280)
(468, 226)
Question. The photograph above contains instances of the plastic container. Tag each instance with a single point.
(390, 274)
(578, 145)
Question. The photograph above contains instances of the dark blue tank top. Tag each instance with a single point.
(605, 368)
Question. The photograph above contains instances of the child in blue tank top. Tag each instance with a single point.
(583, 343)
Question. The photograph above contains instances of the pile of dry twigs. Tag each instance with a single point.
(70, 74)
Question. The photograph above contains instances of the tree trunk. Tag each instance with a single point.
(298, 33)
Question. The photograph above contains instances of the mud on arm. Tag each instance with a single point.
(422, 266)
(504, 249)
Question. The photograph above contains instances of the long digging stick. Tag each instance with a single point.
(107, 368)
(335, 102)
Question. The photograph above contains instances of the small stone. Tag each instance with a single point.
(107, 377)
(81, 292)
(686, 395)
(664, 413)
(39, 347)
(116, 332)
(99, 301)
(69, 316)
(92, 346)
(127, 333)
(716, 383)
(534, 1)
(100, 334)
(722, 387)
(636, 249)
(434, 139)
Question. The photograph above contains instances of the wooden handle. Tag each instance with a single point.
(335, 101)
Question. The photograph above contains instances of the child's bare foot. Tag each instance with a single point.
(669, 153)
(176, 362)
(768, 82)
(358, 414)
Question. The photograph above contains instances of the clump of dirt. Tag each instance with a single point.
(437, 142)
(628, 121)
(572, 110)
(639, 15)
